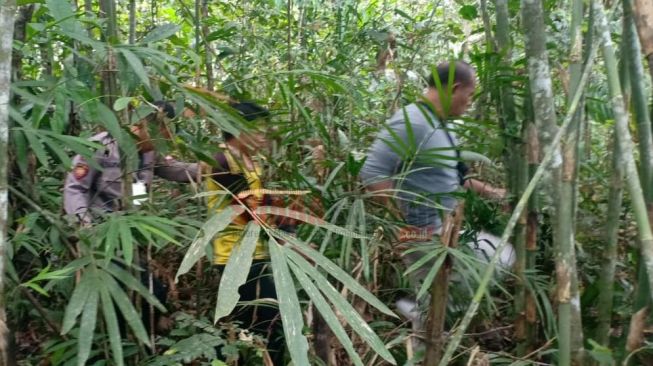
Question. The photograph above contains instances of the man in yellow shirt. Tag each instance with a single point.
(239, 171)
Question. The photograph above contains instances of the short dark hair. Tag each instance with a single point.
(250, 111)
(462, 73)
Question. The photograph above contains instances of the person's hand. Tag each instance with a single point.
(499, 194)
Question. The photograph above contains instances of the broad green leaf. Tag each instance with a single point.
(286, 212)
(339, 274)
(161, 32)
(135, 284)
(325, 309)
(87, 323)
(358, 324)
(291, 311)
(214, 225)
(77, 302)
(136, 65)
(111, 321)
(236, 271)
(121, 103)
(126, 308)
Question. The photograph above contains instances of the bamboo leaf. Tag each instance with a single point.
(358, 324)
(127, 243)
(236, 271)
(121, 103)
(76, 303)
(325, 309)
(291, 312)
(359, 207)
(135, 284)
(136, 65)
(214, 225)
(111, 237)
(286, 212)
(126, 308)
(87, 323)
(339, 274)
(111, 321)
(428, 280)
(62, 12)
(161, 32)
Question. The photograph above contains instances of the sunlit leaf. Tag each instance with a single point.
(358, 324)
(339, 274)
(297, 215)
(325, 309)
(214, 225)
(291, 312)
(236, 271)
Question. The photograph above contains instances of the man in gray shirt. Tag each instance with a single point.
(414, 166)
(417, 154)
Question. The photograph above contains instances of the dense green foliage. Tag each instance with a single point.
(331, 73)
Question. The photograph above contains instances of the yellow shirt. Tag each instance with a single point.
(225, 241)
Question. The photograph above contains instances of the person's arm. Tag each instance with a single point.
(486, 190)
(170, 169)
(77, 190)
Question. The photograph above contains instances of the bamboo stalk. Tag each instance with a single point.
(625, 142)
(566, 207)
(627, 159)
(609, 260)
(640, 102)
(440, 290)
(132, 21)
(208, 57)
(521, 204)
(7, 13)
(517, 171)
(562, 171)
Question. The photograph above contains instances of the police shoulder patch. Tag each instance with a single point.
(80, 170)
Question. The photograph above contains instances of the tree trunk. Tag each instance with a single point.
(7, 16)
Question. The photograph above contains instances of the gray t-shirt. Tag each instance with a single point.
(415, 152)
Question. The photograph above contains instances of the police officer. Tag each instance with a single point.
(89, 191)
